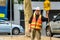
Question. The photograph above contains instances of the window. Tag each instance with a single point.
(58, 17)
(52, 13)
(55, 0)
(22, 22)
(21, 15)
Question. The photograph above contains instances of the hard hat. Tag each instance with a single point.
(37, 8)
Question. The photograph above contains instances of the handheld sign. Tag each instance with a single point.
(47, 5)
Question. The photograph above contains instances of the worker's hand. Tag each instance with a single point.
(29, 28)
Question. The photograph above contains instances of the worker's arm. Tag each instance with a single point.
(30, 19)
(30, 23)
(29, 28)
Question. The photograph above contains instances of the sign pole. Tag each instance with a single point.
(11, 16)
(47, 9)
(49, 24)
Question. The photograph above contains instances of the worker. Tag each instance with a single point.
(35, 24)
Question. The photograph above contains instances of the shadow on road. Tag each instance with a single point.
(10, 34)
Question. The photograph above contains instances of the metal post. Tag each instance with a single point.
(11, 17)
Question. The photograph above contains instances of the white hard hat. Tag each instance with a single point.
(37, 8)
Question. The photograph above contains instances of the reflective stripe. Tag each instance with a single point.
(36, 27)
(36, 24)
(32, 26)
(33, 23)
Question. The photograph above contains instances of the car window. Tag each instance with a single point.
(58, 17)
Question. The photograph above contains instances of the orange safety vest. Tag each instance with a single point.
(36, 24)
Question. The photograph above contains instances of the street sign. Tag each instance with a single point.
(3, 8)
(47, 5)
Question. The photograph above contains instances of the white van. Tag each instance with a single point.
(53, 27)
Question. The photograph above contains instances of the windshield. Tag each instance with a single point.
(58, 16)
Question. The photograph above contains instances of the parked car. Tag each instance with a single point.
(7, 27)
(53, 27)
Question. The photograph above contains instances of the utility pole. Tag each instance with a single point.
(27, 13)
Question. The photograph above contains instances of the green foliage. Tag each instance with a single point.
(20, 1)
(13, 1)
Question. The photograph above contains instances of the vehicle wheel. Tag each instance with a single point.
(48, 32)
(15, 31)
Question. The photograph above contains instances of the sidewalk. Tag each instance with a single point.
(22, 37)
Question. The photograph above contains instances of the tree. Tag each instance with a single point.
(27, 13)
